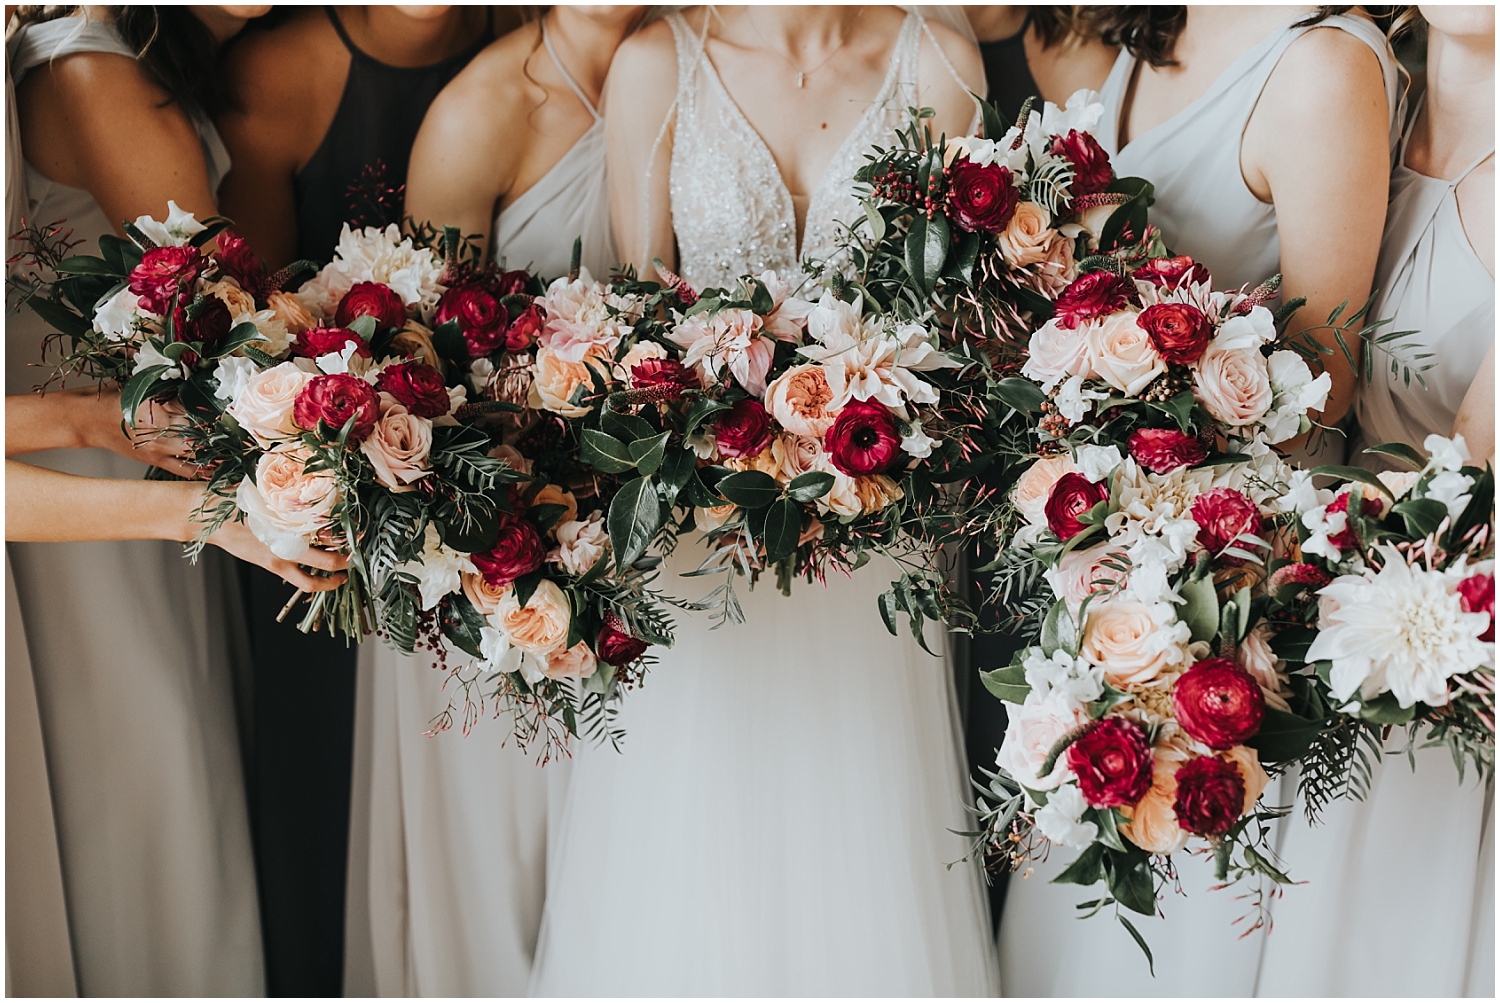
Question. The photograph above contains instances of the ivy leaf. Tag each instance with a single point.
(809, 487)
(700, 410)
(1023, 395)
(783, 527)
(635, 515)
(605, 453)
(749, 489)
(648, 453)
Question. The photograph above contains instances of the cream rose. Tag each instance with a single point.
(398, 448)
(709, 519)
(541, 626)
(764, 461)
(1055, 353)
(1118, 637)
(798, 399)
(1121, 353)
(852, 496)
(290, 311)
(481, 594)
(264, 407)
(1075, 577)
(580, 543)
(1233, 385)
(1153, 822)
(555, 380)
(229, 292)
(1057, 268)
(286, 507)
(1026, 236)
(577, 662)
(1034, 487)
(1030, 733)
(554, 495)
(795, 455)
(1261, 662)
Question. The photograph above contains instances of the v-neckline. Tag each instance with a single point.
(1220, 84)
(759, 141)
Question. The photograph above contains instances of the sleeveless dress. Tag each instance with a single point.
(777, 821)
(128, 648)
(1008, 73)
(1402, 896)
(1205, 210)
(458, 824)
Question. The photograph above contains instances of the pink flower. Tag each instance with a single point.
(1073, 495)
(336, 399)
(1223, 516)
(863, 439)
(1055, 353)
(164, 271)
(398, 448)
(371, 299)
(980, 198)
(1477, 595)
(1163, 450)
(1091, 296)
(1233, 385)
(743, 430)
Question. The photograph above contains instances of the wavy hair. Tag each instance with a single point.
(1150, 33)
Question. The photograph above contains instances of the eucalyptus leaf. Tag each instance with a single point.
(1059, 631)
(1201, 609)
(1008, 684)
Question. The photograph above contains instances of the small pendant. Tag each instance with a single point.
(799, 79)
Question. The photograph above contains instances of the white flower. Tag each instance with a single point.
(458, 396)
(1447, 454)
(1246, 331)
(480, 372)
(1401, 631)
(1083, 111)
(788, 316)
(375, 255)
(1073, 401)
(864, 362)
(579, 318)
(731, 338)
(1324, 526)
(232, 373)
(580, 544)
(179, 228)
(1097, 462)
(1058, 819)
(1062, 677)
(1295, 392)
(148, 355)
(120, 317)
(702, 443)
(277, 338)
(1452, 489)
(1302, 496)
(1033, 729)
(499, 655)
(917, 442)
(1398, 481)
(438, 570)
(344, 361)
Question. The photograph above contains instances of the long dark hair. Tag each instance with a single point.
(173, 48)
(1150, 33)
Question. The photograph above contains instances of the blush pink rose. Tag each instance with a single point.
(1233, 385)
(1034, 487)
(1030, 733)
(398, 447)
(1078, 575)
(1055, 353)
(1027, 235)
(577, 662)
(1122, 355)
(265, 406)
(541, 626)
(1119, 638)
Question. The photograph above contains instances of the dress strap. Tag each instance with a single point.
(338, 26)
(943, 56)
(547, 41)
(1470, 169)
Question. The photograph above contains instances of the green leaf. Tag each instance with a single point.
(750, 488)
(1108, 700)
(1400, 451)
(1201, 611)
(676, 471)
(1086, 870)
(1180, 408)
(623, 426)
(475, 536)
(60, 317)
(1293, 642)
(1008, 683)
(546, 517)
(1283, 736)
(462, 623)
(526, 587)
(809, 487)
(648, 453)
(934, 251)
(1023, 395)
(1139, 942)
(448, 339)
(1109, 831)
(1385, 709)
(1421, 515)
(1059, 631)
(365, 327)
(1352, 474)
(605, 453)
(239, 336)
(916, 248)
(138, 389)
(1130, 882)
(701, 409)
(761, 301)
(888, 610)
(1131, 216)
(783, 528)
(84, 264)
(635, 515)
(877, 221)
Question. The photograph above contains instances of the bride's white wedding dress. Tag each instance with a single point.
(777, 823)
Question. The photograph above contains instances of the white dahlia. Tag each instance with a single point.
(375, 255)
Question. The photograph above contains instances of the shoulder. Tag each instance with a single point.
(492, 93)
(957, 50)
(1328, 65)
(649, 54)
(275, 67)
(69, 89)
(642, 80)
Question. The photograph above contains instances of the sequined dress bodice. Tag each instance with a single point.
(731, 210)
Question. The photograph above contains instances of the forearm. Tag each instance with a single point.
(60, 419)
(44, 505)
(1476, 416)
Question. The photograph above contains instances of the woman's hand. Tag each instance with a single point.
(236, 538)
(155, 438)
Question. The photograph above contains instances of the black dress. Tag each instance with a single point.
(300, 750)
(1007, 72)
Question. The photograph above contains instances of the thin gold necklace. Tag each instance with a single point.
(802, 74)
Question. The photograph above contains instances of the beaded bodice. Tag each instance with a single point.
(731, 210)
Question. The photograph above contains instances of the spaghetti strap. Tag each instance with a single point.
(547, 41)
(1470, 169)
(338, 26)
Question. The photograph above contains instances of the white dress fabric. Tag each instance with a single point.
(446, 884)
(1401, 900)
(777, 822)
(1204, 210)
(129, 653)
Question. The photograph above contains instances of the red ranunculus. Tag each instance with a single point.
(864, 439)
(617, 647)
(480, 314)
(518, 551)
(209, 324)
(980, 198)
(162, 272)
(1223, 515)
(1309, 576)
(1163, 450)
(1218, 703)
(1171, 272)
(512, 283)
(1210, 795)
(1112, 762)
(334, 400)
(743, 430)
(1348, 539)
(1091, 296)
(1477, 595)
(371, 299)
(1179, 331)
(242, 264)
(1091, 170)
(1071, 498)
(417, 386)
(316, 341)
(668, 374)
(523, 331)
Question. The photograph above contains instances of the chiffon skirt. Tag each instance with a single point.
(778, 820)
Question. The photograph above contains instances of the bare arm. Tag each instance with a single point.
(1317, 147)
(949, 73)
(640, 95)
(84, 418)
(44, 505)
(93, 121)
(1476, 416)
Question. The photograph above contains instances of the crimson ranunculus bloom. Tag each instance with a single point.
(1171, 272)
(1112, 762)
(210, 323)
(334, 400)
(480, 314)
(980, 198)
(1222, 515)
(617, 647)
(525, 329)
(512, 283)
(316, 341)
(417, 386)
(1477, 595)
(1179, 331)
(371, 299)
(743, 430)
(864, 439)
(1163, 450)
(1218, 703)
(1091, 169)
(162, 272)
(242, 264)
(672, 376)
(1091, 296)
(518, 551)
(1071, 498)
(1309, 576)
(1210, 796)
